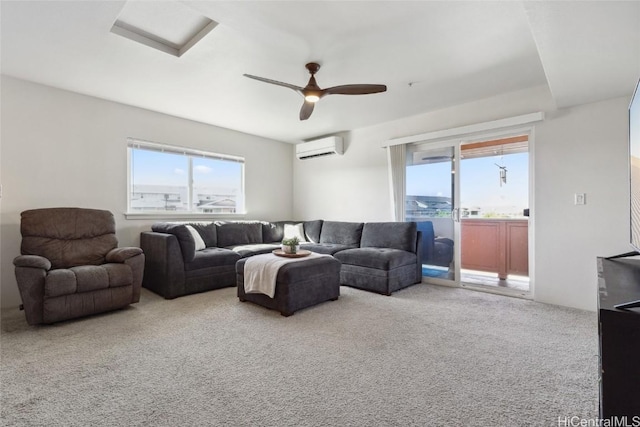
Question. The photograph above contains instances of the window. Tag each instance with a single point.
(164, 179)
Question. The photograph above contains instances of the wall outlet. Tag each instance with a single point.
(580, 199)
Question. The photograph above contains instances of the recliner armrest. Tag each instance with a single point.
(122, 254)
(33, 261)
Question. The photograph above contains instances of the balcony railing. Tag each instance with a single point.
(496, 245)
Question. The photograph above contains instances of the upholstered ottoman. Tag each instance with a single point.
(299, 285)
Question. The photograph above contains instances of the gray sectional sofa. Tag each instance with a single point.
(381, 257)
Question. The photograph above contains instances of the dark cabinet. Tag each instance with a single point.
(619, 335)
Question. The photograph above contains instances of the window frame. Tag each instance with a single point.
(133, 143)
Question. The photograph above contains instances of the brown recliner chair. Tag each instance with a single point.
(70, 265)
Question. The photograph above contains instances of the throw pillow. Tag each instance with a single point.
(294, 230)
(196, 238)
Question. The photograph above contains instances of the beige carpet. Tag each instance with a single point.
(427, 356)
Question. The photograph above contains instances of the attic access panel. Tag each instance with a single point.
(168, 26)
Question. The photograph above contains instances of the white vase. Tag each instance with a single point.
(289, 250)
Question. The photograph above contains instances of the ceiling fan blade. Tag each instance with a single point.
(306, 110)
(354, 89)
(275, 82)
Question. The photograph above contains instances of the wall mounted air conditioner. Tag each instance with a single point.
(319, 147)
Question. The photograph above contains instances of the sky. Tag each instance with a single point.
(479, 181)
(155, 168)
(479, 177)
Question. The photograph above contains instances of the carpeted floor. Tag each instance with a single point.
(426, 356)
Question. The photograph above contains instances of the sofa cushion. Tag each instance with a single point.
(119, 274)
(341, 233)
(238, 233)
(295, 230)
(377, 258)
(312, 230)
(60, 282)
(185, 239)
(273, 231)
(207, 231)
(396, 235)
(91, 278)
(86, 278)
(212, 257)
(324, 248)
(254, 249)
(197, 239)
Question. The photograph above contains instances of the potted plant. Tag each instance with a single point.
(290, 246)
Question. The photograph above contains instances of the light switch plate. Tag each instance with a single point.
(580, 199)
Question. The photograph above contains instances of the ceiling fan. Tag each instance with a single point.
(312, 92)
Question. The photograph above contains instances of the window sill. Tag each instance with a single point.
(181, 216)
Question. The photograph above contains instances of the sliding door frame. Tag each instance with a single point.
(498, 134)
(456, 143)
(455, 146)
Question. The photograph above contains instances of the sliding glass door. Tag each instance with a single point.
(494, 212)
(430, 202)
(470, 199)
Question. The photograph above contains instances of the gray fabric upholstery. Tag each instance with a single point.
(185, 239)
(273, 231)
(378, 258)
(238, 233)
(375, 280)
(136, 264)
(167, 274)
(90, 278)
(395, 235)
(122, 254)
(60, 282)
(70, 265)
(312, 230)
(298, 285)
(388, 260)
(164, 269)
(85, 303)
(326, 248)
(207, 231)
(254, 249)
(394, 261)
(34, 261)
(341, 233)
(209, 279)
(68, 236)
(31, 285)
(212, 256)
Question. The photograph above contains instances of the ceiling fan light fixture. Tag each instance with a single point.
(311, 97)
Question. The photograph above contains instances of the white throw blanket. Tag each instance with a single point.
(261, 271)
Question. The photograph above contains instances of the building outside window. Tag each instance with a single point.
(165, 178)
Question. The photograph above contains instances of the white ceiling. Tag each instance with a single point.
(430, 54)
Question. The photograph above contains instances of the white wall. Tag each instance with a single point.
(60, 148)
(582, 149)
